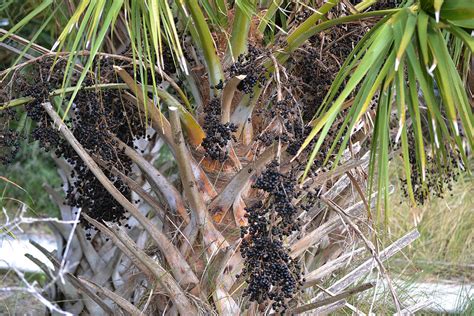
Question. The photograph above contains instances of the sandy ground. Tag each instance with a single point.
(13, 250)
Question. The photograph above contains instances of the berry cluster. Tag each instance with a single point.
(271, 273)
(287, 111)
(311, 74)
(267, 138)
(282, 190)
(439, 175)
(9, 145)
(302, 14)
(94, 119)
(248, 65)
(46, 135)
(9, 138)
(218, 135)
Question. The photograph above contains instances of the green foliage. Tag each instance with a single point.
(31, 170)
(407, 50)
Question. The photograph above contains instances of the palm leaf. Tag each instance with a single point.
(412, 40)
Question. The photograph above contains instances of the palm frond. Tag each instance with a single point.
(414, 46)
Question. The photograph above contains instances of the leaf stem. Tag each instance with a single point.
(207, 43)
(240, 31)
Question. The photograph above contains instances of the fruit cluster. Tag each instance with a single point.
(248, 65)
(270, 272)
(95, 119)
(9, 138)
(439, 174)
(218, 135)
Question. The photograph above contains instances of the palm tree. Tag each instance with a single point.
(270, 112)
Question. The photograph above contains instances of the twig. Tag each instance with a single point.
(15, 50)
(24, 41)
(333, 299)
(31, 220)
(369, 246)
(68, 244)
(19, 219)
(120, 301)
(359, 190)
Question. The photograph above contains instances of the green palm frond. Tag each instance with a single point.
(43, 6)
(244, 10)
(216, 10)
(406, 59)
(93, 21)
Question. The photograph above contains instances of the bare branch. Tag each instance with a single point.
(333, 299)
(120, 301)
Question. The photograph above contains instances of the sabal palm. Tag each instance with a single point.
(203, 259)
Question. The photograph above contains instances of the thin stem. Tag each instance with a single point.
(16, 102)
